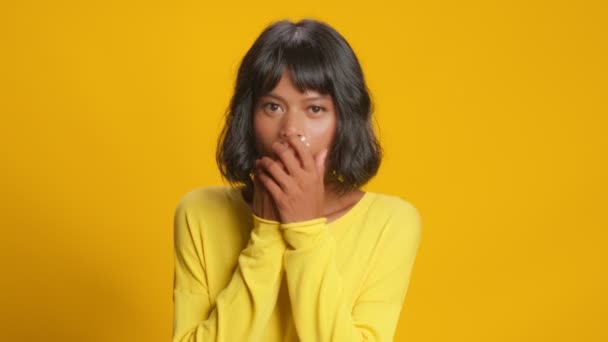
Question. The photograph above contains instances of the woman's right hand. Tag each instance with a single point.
(263, 203)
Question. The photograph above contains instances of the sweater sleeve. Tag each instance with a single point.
(317, 291)
(243, 308)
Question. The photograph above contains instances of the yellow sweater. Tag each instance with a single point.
(239, 277)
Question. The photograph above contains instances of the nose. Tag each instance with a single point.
(291, 125)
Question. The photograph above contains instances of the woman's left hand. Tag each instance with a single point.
(297, 188)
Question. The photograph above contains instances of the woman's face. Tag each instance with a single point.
(286, 111)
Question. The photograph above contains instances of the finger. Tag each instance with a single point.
(269, 206)
(288, 157)
(277, 173)
(271, 185)
(265, 196)
(260, 173)
(303, 151)
(258, 191)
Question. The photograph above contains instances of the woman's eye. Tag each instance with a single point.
(272, 106)
(317, 109)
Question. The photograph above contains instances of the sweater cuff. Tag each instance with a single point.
(299, 235)
(263, 221)
(266, 229)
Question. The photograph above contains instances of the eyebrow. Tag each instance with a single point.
(323, 97)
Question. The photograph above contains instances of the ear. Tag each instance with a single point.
(320, 161)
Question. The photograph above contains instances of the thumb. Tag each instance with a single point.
(320, 161)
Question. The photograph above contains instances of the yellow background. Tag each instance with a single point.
(492, 115)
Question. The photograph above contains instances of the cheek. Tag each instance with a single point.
(264, 134)
(322, 134)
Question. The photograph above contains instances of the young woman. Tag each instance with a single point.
(293, 249)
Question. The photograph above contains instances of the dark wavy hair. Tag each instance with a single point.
(319, 59)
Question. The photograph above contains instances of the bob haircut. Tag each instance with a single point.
(319, 59)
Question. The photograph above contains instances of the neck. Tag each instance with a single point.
(335, 201)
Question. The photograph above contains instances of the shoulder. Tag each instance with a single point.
(213, 219)
(401, 218)
(204, 199)
(394, 207)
